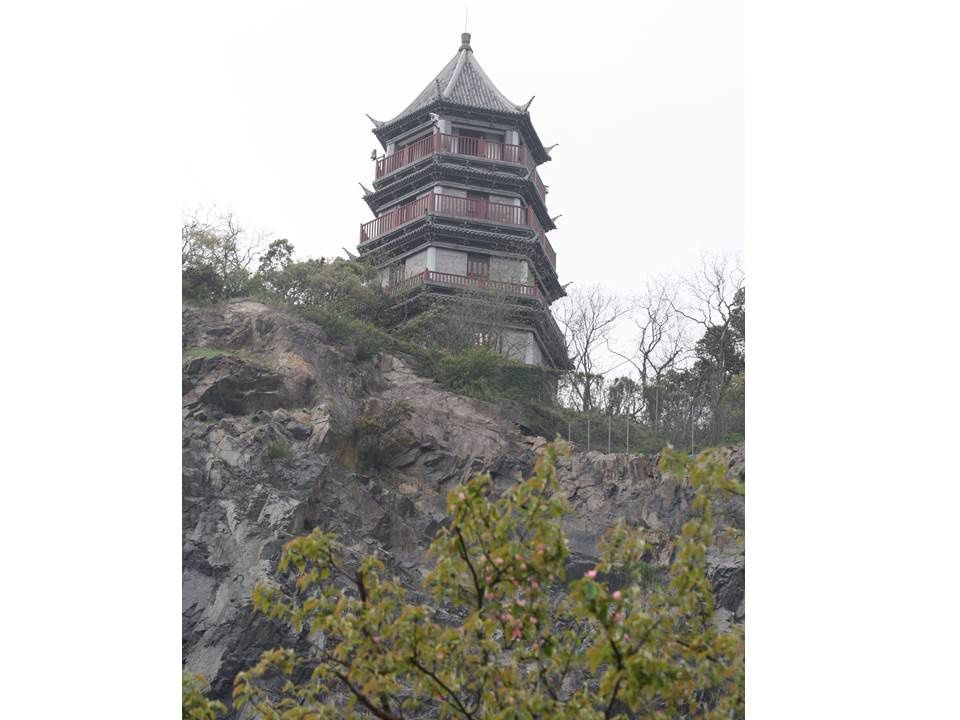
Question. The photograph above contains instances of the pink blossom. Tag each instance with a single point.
(617, 595)
(521, 602)
(619, 617)
(591, 574)
(461, 497)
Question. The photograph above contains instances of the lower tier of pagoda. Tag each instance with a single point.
(415, 294)
(432, 277)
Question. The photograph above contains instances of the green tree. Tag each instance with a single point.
(506, 636)
(278, 256)
(625, 398)
(343, 287)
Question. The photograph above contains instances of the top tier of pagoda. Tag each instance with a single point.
(463, 88)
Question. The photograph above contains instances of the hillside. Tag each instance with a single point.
(284, 431)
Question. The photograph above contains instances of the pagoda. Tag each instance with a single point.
(460, 211)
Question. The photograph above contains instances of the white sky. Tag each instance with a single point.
(645, 101)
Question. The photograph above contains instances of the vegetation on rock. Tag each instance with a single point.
(373, 442)
(506, 635)
(686, 349)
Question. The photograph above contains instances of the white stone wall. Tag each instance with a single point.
(451, 261)
(536, 357)
(455, 192)
(505, 200)
(415, 264)
(505, 269)
(521, 345)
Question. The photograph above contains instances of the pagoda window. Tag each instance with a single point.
(507, 210)
(478, 266)
(483, 338)
(477, 203)
(413, 139)
(479, 143)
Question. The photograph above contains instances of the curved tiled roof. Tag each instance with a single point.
(462, 81)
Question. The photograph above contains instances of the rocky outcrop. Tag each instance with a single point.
(284, 431)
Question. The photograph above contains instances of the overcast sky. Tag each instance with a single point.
(645, 100)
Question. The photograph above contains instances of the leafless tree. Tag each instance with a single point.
(220, 245)
(587, 316)
(660, 342)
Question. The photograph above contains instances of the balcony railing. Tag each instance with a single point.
(480, 148)
(432, 277)
(400, 215)
(404, 156)
(459, 145)
(462, 208)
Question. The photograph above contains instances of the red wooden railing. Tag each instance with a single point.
(548, 251)
(458, 145)
(452, 145)
(449, 205)
(538, 183)
(458, 207)
(404, 156)
(481, 209)
(478, 147)
(400, 215)
(465, 281)
(544, 242)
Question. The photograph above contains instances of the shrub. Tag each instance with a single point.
(365, 336)
(279, 450)
(486, 374)
(374, 434)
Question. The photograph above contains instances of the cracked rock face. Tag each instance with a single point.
(270, 451)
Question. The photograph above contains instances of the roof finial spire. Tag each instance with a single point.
(465, 42)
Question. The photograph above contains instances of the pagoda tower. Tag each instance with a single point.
(461, 211)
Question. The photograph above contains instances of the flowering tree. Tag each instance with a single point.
(506, 636)
(196, 704)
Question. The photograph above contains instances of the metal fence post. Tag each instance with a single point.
(628, 437)
(568, 430)
(609, 423)
(588, 434)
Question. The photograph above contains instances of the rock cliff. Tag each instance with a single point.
(284, 431)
